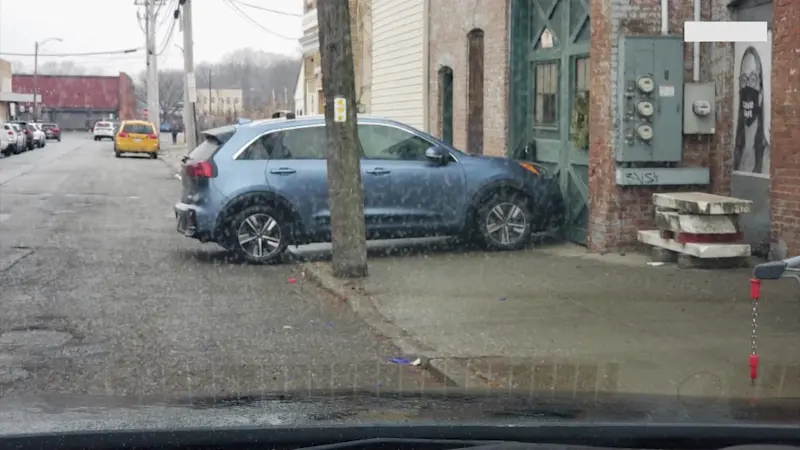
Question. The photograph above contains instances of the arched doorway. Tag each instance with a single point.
(475, 92)
(446, 103)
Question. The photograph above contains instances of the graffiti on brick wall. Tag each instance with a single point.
(751, 107)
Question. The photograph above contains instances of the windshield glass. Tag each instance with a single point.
(137, 128)
(511, 202)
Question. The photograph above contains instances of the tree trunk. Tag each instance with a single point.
(345, 191)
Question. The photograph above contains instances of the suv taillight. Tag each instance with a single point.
(152, 136)
(202, 169)
(123, 134)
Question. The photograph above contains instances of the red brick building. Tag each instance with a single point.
(515, 76)
(75, 101)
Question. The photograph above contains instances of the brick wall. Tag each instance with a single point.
(615, 213)
(127, 98)
(785, 134)
(453, 19)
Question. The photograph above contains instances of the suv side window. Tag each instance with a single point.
(299, 143)
(390, 143)
(303, 143)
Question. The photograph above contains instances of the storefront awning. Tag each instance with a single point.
(17, 97)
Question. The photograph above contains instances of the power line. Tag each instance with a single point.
(168, 39)
(273, 11)
(244, 15)
(69, 55)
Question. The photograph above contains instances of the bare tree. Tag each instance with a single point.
(170, 91)
(348, 235)
(61, 68)
(50, 68)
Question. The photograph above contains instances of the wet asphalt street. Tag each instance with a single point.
(100, 295)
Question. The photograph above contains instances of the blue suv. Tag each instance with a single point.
(257, 188)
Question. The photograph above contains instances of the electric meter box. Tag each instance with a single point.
(699, 108)
(650, 99)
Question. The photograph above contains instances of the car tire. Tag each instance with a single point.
(154, 155)
(117, 154)
(504, 221)
(59, 139)
(275, 238)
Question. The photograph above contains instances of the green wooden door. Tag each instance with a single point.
(558, 54)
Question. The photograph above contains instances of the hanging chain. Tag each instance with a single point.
(755, 294)
(754, 337)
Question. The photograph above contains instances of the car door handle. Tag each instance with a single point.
(283, 171)
(378, 171)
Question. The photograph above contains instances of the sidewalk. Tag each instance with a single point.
(559, 318)
(171, 153)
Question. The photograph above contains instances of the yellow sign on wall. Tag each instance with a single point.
(339, 109)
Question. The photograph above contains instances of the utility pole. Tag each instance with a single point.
(153, 107)
(346, 195)
(190, 82)
(209, 91)
(36, 47)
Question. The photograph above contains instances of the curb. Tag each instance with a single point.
(365, 309)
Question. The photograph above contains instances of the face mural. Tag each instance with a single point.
(751, 151)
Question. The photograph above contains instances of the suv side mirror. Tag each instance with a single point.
(437, 155)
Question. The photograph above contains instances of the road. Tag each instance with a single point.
(101, 296)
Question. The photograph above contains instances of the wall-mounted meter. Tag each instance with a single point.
(644, 108)
(645, 84)
(701, 107)
(700, 116)
(645, 132)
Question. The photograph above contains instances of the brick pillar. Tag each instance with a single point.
(615, 213)
(785, 134)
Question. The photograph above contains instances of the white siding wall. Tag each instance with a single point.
(398, 61)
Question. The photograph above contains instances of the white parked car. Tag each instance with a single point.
(39, 137)
(103, 130)
(16, 136)
(5, 142)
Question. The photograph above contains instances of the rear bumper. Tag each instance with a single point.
(194, 221)
(137, 147)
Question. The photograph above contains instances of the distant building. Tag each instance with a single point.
(10, 100)
(219, 102)
(75, 102)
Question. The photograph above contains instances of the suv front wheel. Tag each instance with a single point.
(504, 221)
(259, 234)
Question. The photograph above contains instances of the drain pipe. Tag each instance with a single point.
(696, 51)
(665, 17)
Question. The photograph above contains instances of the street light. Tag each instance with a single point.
(36, 75)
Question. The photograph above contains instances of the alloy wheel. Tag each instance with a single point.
(506, 223)
(259, 235)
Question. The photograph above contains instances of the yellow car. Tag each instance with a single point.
(136, 136)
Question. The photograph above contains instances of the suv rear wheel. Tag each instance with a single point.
(504, 221)
(258, 234)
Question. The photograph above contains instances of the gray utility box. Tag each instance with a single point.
(700, 108)
(650, 99)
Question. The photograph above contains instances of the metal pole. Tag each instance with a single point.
(190, 86)
(36, 82)
(154, 108)
(152, 75)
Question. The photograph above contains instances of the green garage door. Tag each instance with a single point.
(550, 62)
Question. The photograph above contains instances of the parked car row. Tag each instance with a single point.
(21, 136)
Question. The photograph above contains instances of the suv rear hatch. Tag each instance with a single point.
(198, 167)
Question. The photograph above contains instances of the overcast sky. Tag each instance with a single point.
(102, 25)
